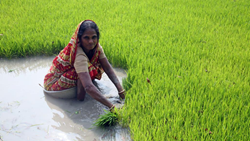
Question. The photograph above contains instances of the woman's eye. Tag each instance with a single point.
(94, 37)
(86, 37)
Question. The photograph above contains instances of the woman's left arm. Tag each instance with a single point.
(112, 76)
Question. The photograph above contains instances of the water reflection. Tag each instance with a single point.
(24, 65)
(27, 114)
(83, 114)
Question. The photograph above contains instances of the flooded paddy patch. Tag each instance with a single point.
(28, 114)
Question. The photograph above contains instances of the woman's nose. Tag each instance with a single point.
(91, 41)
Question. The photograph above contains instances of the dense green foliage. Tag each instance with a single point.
(194, 53)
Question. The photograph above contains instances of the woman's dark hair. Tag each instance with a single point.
(86, 25)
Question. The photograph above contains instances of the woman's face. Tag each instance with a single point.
(89, 39)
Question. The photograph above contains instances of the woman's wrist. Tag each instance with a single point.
(119, 87)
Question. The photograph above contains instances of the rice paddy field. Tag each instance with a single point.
(188, 61)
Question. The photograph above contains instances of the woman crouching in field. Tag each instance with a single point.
(79, 63)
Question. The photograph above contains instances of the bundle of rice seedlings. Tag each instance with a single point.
(107, 119)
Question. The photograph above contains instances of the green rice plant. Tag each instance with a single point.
(107, 119)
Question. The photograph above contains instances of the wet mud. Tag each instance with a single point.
(29, 114)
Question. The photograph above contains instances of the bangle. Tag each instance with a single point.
(121, 92)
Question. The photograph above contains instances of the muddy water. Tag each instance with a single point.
(26, 113)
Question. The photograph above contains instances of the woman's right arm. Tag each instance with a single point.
(92, 90)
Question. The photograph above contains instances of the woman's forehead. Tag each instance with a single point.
(89, 32)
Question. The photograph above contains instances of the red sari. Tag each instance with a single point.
(62, 74)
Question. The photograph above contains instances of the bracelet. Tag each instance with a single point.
(121, 92)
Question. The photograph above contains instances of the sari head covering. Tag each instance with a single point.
(62, 74)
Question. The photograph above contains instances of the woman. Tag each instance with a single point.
(79, 63)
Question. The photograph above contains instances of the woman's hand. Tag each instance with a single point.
(112, 109)
(115, 107)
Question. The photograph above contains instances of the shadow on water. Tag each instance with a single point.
(28, 114)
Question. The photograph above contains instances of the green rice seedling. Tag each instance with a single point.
(107, 119)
